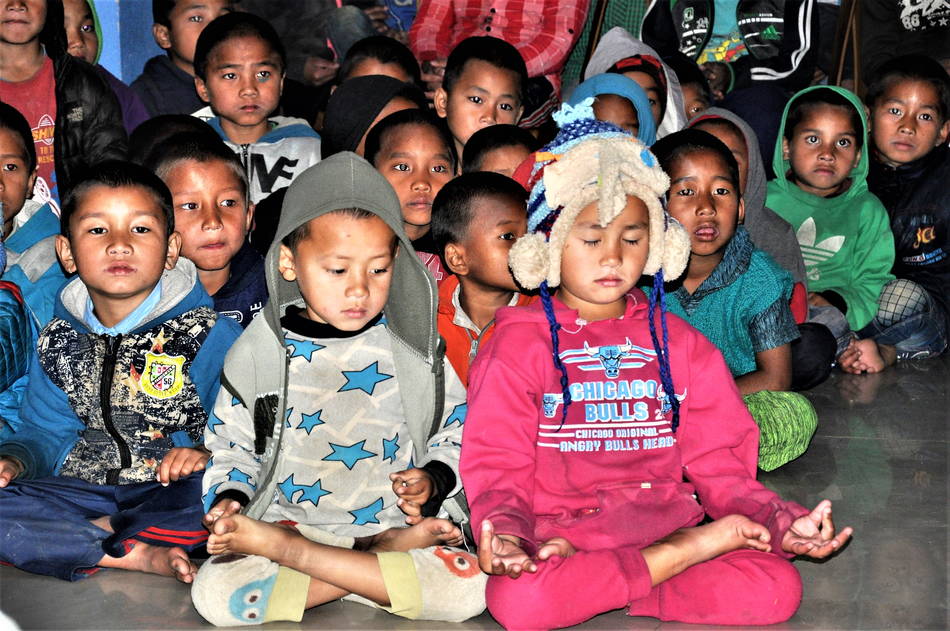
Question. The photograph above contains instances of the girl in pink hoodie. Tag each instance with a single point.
(589, 444)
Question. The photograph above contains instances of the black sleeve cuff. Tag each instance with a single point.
(444, 480)
(835, 299)
(232, 494)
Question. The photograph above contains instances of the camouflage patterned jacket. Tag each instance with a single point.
(107, 409)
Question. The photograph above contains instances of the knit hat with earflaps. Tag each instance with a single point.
(595, 161)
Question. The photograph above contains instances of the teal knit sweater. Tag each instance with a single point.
(743, 306)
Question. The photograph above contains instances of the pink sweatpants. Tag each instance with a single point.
(744, 587)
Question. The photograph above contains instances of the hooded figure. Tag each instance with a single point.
(769, 232)
(356, 105)
(616, 45)
(256, 372)
(613, 83)
(845, 239)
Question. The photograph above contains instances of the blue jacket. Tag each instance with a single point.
(158, 383)
(32, 264)
(17, 340)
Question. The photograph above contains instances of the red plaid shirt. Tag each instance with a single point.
(543, 31)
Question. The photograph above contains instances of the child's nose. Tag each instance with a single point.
(357, 287)
(211, 220)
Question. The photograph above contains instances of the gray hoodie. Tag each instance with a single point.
(769, 232)
(618, 44)
(256, 368)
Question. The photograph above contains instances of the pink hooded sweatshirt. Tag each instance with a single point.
(614, 473)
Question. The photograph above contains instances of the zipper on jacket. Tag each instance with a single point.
(476, 341)
(105, 401)
(246, 160)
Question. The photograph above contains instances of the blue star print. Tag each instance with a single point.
(308, 493)
(287, 417)
(236, 475)
(235, 401)
(213, 421)
(457, 415)
(303, 348)
(367, 514)
(349, 455)
(309, 421)
(391, 448)
(365, 379)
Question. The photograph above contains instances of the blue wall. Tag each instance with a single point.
(126, 36)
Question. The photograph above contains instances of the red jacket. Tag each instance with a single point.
(460, 343)
(614, 473)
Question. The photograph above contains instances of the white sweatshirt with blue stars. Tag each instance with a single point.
(345, 432)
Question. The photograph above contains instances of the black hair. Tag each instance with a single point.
(161, 11)
(187, 146)
(231, 26)
(377, 135)
(492, 50)
(723, 123)
(301, 232)
(384, 49)
(807, 103)
(911, 68)
(152, 135)
(12, 119)
(452, 208)
(53, 34)
(118, 174)
(689, 73)
(495, 137)
(682, 143)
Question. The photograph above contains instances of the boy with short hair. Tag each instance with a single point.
(475, 220)
(340, 418)
(239, 70)
(483, 85)
(498, 148)
(213, 215)
(909, 101)
(104, 467)
(167, 84)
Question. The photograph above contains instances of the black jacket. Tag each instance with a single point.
(915, 195)
(88, 121)
(166, 89)
(780, 36)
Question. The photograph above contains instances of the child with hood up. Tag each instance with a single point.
(618, 99)
(621, 52)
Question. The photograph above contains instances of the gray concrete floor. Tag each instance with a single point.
(880, 454)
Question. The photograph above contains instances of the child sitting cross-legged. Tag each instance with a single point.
(734, 293)
(340, 422)
(103, 467)
(601, 433)
(475, 220)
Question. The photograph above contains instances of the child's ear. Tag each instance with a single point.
(785, 148)
(162, 36)
(741, 215)
(455, 259)
(944, 132)
(286, 264)
(249, 220)
(174, 247)
(32, 181)
(64, 252)
(441, 101)
(202, 90)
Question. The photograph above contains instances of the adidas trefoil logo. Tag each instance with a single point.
(816, 253)
(771, 33)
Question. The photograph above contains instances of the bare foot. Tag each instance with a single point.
(869, 358)
(431, 531)
(154, 560)
(556, 546)
(240, 534)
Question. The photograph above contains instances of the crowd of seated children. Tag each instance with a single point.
(734, 293)
(400, 354)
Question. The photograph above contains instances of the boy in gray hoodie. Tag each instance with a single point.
(339, 420)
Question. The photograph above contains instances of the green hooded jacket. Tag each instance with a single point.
(846, 240)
